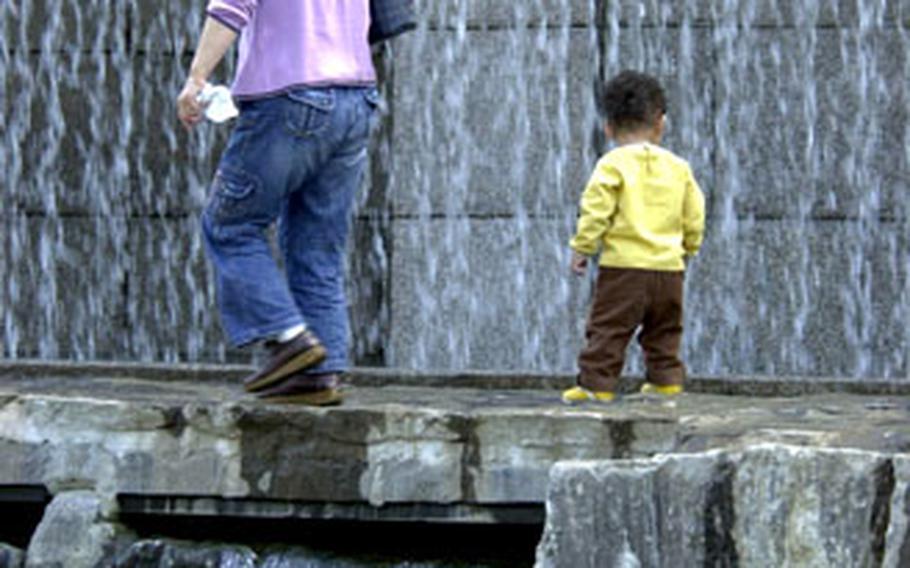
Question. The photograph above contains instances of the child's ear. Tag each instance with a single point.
(608, 131)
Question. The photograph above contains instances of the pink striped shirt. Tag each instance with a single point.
(288, 43)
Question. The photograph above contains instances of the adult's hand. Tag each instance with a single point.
(189, 110)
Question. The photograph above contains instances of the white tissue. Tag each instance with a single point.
(218, 103)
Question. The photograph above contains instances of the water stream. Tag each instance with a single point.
(793, 115)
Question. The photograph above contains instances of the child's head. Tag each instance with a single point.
(635, 105)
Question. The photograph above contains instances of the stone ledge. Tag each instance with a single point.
(380, 377)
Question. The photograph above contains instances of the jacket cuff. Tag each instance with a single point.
(587, 251)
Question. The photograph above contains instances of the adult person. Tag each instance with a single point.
(305, 86)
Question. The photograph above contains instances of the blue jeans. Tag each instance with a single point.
(298, 159)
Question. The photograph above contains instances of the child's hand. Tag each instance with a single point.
(579, 264)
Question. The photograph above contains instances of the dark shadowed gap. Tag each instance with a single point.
(21, 508)
(487, 545)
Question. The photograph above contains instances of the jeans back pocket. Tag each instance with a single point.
(309, 111)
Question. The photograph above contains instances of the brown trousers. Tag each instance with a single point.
(624, 300)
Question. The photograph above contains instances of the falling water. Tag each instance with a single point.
(793, 115)
(496, 118)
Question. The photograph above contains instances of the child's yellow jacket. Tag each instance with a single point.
(642, 208)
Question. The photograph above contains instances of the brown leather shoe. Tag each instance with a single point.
(315, 390)
(287, 358)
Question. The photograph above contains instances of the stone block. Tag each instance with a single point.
(669, 510)
(897, 550)
(63, 287)
(811, 136)
(166, 446)
(490, 122)
(489, 14)
(161, 552)
(513, 466)
(799, 299)
(11, 557)
(810, 507)
(409, 458)
(75, 531)
(277, 448)
(64, 26)
(484, 294)
(768, 505)
(507, 461)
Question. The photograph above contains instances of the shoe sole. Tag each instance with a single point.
(328, 397)
(312, 356)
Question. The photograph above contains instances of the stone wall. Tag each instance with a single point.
(793, 115)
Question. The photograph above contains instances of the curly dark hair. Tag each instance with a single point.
(633, 100)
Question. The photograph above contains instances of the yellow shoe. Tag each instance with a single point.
(668, 390)
(577, 395)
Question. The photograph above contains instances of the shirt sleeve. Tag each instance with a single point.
(693, 216)
(235, 14)
(598, 203)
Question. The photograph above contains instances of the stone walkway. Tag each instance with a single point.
(145, 431)
(112, 440)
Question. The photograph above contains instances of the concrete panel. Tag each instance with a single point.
(497, 14)
(171, 293)
(790, 298)
(67, 119)
(173, 312)
(489, 122)
(654, 13)
(756, 13)
(822, 146)
(484, 294)
(368, 284)
(794, 299)
(99, 135)
(681, 61)
(64, 26)
(166, 26)
(170, 168)
(62, 289)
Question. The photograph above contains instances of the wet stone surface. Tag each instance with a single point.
(388, 444)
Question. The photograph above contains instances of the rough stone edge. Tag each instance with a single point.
(893, 491)
(377, 377)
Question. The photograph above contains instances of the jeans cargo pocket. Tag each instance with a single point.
(232, 196)
(233, 183)
(310, 111)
